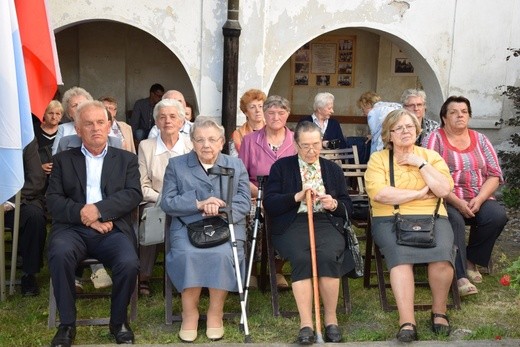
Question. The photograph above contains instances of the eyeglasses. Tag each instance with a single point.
(202, 140)
(412, 106)
(400, 129)
(307, 147)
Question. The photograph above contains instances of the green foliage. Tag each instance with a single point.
(510, 160)
(511, 196)
(514, 271)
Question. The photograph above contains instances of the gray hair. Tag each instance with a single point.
(181, 112)
(321, 100)
(206, 122)
(306, 127)
(74, 91)
(277, 101)
(91, 104)
(171, 94)
(413, 92)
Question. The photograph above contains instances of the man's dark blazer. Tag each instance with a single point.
(333, 131)
(120, 188)
(285, 180)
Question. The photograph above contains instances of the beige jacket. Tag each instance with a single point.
(126, 130)
(152, 166)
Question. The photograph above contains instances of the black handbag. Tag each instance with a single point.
(353, 246)
(208, 232)
(360, 208)
(413, 230)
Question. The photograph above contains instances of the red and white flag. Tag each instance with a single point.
(39, 53)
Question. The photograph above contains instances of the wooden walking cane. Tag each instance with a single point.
(312, 241)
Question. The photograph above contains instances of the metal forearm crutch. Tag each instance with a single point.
(228, 211)
(258, 218)
(312, 243)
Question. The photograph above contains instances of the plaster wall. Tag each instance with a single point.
(457, 47)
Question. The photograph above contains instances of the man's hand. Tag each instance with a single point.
(47, 168)
(89, 214)
(8, 207)
(102, 227)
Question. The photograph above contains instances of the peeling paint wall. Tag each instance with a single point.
(456, 46)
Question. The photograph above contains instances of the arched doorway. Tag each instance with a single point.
(370, 66)
(112, 58)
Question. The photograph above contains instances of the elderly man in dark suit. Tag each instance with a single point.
(92, 191)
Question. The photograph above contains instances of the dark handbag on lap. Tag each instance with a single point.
(208, 232)
(413, 230)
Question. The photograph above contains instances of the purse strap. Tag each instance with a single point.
(392, 183)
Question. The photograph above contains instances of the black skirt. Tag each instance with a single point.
(294, 246)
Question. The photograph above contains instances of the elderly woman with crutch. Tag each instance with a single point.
(195, 189)
(290, 179)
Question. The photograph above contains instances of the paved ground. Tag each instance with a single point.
(485, 343)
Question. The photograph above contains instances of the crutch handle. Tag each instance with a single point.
(261, 180)
(221, 171)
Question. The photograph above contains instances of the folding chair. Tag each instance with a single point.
(275, 296)
(14, 247)
(382, 285)
(52, 321)
(355, 176)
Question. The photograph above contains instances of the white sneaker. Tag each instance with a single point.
(101, 279)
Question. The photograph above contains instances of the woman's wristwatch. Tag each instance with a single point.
(424, 163)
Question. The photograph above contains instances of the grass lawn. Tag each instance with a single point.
(493, 313)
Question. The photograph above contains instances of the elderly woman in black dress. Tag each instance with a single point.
(289, 180)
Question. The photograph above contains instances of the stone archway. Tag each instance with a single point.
(373, 72)
(117, 59)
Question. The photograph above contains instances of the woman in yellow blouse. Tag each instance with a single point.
(421, 178)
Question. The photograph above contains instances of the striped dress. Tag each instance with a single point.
(469, 167)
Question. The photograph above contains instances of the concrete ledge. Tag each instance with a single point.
(464, 343)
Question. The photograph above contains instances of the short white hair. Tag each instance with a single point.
(169, 103)
(321, 100)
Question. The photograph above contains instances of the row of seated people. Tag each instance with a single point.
(280, 110)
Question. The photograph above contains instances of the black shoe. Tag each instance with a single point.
(440, 329)
(122, 333)
(306, 336)
(29, 286)
(332, 333)
(64, 336)
(407, 335)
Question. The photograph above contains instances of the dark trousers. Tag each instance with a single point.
(115, 250)
(32, 235)
(486, 226)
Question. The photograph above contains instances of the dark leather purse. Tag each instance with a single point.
(360, 208)
(353, 246)
(413, 230)
(208, 232)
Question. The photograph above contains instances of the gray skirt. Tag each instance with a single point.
(384, 237)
